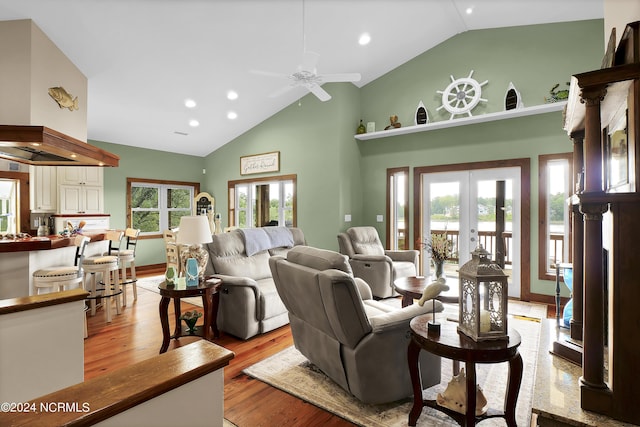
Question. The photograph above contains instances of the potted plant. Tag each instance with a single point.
(191, 318)
(439, 248)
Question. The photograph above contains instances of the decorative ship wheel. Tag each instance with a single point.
(462, 95)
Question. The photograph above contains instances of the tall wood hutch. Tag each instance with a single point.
(603, 120)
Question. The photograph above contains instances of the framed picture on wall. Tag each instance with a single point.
(260, 163)
(617, 155)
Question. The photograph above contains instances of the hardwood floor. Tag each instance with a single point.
(136, 335)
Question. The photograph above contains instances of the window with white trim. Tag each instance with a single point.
(154, 206)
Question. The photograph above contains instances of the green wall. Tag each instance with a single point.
(148, 164)
(534, 58)
(339, 175)
(315, 140)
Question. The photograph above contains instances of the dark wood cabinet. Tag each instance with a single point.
(602, 118)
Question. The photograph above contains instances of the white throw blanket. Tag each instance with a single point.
(260, 239)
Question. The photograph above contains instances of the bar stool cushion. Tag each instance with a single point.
(99, 260)
(62, 273)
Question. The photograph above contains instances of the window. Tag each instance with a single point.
(263, 202)
(554, 231)
(398, 208)
(154, 206)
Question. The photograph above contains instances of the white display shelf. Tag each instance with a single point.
(443, 124)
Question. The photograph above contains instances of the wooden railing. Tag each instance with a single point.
(488, 241)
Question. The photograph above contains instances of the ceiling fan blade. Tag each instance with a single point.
(269, 73)
(309, 61)
(281, 91)
(319, 92)
(342, 77)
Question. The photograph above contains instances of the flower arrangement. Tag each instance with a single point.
(191, 318)
(439, 247)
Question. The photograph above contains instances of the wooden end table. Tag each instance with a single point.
(411, 288)
(456, 346)
(208, 289)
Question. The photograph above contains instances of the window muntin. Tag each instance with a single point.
(155, 206)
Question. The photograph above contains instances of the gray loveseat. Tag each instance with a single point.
(249, 301)
(358, 342)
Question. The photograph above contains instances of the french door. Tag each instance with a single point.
(466, 206)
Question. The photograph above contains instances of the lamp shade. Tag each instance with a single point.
(194, 230)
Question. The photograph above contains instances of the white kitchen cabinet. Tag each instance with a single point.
(80, 175)
(85, 199)
(43, 188)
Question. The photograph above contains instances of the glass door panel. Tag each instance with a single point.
(462, 205)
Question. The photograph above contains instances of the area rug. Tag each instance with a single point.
(151, 284)
(291, 372)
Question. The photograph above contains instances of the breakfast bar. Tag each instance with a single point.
(21, 255)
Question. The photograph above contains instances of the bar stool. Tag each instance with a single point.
(127, 255)
(106, 265)
(58, 278)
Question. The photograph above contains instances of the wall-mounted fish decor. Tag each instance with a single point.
(63, 98)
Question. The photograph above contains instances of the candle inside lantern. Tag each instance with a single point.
(485, 321)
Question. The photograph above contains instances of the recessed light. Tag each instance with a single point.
(189, 103)
(73, 156)
(35, 144)
(232, 115)
(364, 39)
(469, 10)
(194, 123)
(232, 94)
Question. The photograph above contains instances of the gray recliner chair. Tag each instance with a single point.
(359, 342)
(372, 263)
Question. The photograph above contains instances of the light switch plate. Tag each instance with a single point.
(347, 218)
(379, 218)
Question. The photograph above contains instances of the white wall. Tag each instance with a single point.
(618, 13)
(41, 351)
(197, 403)
(31, 64)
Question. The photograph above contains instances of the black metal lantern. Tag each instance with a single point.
(483, 298)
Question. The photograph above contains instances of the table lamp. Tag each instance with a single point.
(193, 232)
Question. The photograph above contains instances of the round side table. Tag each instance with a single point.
(411, 288)
(451, 344)
(208, 289)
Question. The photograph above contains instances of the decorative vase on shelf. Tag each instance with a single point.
(438, 268)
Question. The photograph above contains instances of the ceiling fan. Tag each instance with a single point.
(306, 74)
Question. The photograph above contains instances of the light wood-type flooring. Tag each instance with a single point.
(136, 335)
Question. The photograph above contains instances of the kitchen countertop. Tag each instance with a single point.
(45, 243)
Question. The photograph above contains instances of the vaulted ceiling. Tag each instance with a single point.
(144, 58)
